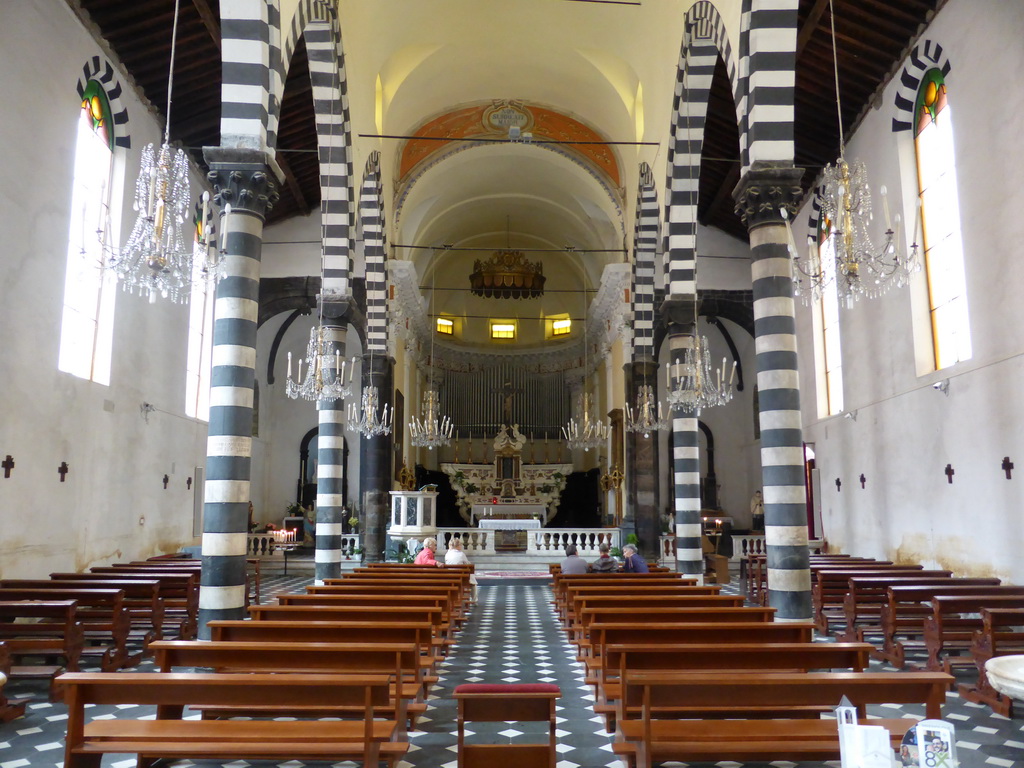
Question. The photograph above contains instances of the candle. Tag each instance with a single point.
(732, 376)
(885, 209)
(152, 192)
(206, 213)
(289, 365)
(917, 225)
(299, 379)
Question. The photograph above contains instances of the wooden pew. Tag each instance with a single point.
(495, 703)
(829, 585)
(53, 629)
(867, 596)
(905, 609)
(651, 740)
(953, 622)
(628, 589)
(429, 576)
(451, 594)
(9, 710)
(141, 601)
(643, 601)
(366, 739)
(102, 615)
(179, 590)
(561, 584)
(757, 571)
(359, 613)
(1002, 634)
(399, 661)
(658, 616)
(622, 659)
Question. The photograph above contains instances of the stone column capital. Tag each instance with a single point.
(679, 314)
(765, 190)
(246, 178)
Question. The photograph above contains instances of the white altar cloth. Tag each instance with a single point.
(483, 511)
(509, 525)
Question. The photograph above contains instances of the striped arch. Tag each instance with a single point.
(927, 55)
(768, 53)
(705, 39)
(645, 245)
(102, 72)
(317, 21)
(371, 216)
(815, 215)
(250, 30)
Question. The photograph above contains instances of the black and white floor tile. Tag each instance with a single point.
(511, 636)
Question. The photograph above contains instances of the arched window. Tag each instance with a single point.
(200, 329)
(830, 368)
(87, 323)
(940, 211)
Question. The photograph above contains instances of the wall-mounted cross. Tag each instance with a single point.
(839, 485)
(949, 473)
(166, 481)
(8, 465)
(862, 479)
(1007, 466)
(63, 470)
(188, 483)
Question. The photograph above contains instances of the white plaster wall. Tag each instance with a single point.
(113, 505)
(906, 432)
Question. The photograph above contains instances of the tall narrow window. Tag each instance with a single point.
(828, 309)
(200, 336)
(943, 247)
(87, 323)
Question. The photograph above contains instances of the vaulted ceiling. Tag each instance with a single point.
(585, 58)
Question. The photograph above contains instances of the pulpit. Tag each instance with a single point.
(413, 515)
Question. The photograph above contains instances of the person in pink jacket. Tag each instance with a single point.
(426, 555)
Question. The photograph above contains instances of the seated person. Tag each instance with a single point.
(573, 564)
(456, 556)
(426, 555)
(632, 562)
(605, 563)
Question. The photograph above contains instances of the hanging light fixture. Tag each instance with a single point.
(860, 268)
(365, 418)
(155, 260)
(319, 383)
(692, 384)
(587, 432)
(430, 430)
(647, 417)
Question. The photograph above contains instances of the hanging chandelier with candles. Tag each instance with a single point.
(587, 432)
(693, 385)
(155, 260)
(647, 417)
(431, 430)
(860, 268)
(322, 382)
(369, 418)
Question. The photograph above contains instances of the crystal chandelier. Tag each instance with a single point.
(693, 386)
(320, 383)
(155, 260)
(647, 417)
(588, 432)
(431, 431)
(207, 257)
(859, 269)
(365, 418)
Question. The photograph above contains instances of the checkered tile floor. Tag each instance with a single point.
(512, 636)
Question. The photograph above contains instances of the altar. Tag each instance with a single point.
(499, 524)
(507, 488)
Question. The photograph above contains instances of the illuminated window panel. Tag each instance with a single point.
(561, 327)
(445, 326)
(503, 330)
(940, 210)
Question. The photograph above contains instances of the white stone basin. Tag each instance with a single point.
(1006, 673)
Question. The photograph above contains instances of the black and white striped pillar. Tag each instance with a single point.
(375, 466)
(679, 315)
(242, 179)
(330, 468)
(760, 196)
(642, 513)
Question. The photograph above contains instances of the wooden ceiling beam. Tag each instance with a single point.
(810, 26)
(210, 20)
(293, 184)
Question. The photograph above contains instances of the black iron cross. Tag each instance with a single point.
(862, 480)
(949, 473)
(8, 465)
(839, 485)
(1007, 466)
(166, 481)
(188, 483)
(63, 470)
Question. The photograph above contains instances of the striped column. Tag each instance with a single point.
(245, 32)
(330, 470)
(375, 465)
(763, 192)
(250, 190)
(642, 512)
(770, 53)
(685, 462)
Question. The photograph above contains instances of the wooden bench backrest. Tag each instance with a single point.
(782, 689)
(346, 613)
(945, 605)
(766, 656)
(1002, 617)
(323, 631)
(602, 634)
(147, 590)
(646, 615)
(431, 601)
(643, 602)
(112, 599)
(62, 611)
(921, 594)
